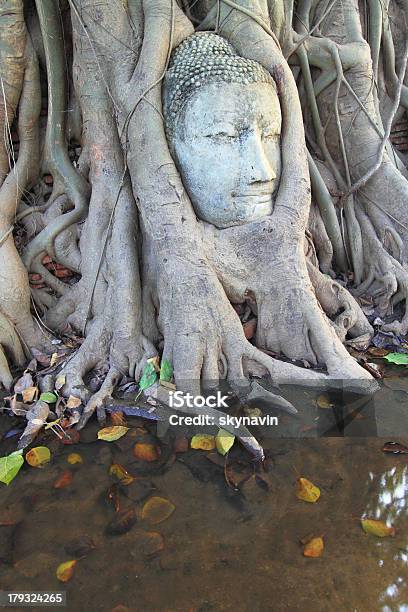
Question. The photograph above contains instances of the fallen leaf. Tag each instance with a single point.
(155, 361)
(166, 371)
(10, 466)
(149, 542)
(48, 397)
(203, 442)
(323, 401)
(80, 547)
(377, 528)
(149, 377)
(118, 418)
(113, 497)
(146, 451)
(181, 444)
(54, 358)
(314, 548)
(29, 394)
(121, 474)
(122, 522)
(224, 441)
(157, 509)
(307, 491)
(38, 456)
(60, 381)
(110, 434)
(74, 458)
(65, 570)
(377, 352)
(398, 358)
(63, 480)
(250, 328)
(73, 402)
(23, 383)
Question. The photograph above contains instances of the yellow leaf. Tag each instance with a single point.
(110, 434)
(224, 440)
(314, 548)
(307, 491)
(29, 394)
(323, 401)
(203, 442)
(155, 361)
(157, 509)
(54, 358)
(60, 381)
(121, 474)
(146, 451)
(65, 570)
(74, 458)
(38, 456)
(73, 402)
(377, 528)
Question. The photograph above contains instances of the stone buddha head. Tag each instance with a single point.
(223, 124)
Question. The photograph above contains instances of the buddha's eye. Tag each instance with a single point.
(270, 136)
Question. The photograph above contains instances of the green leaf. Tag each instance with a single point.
(224, 440)
(49, 398)
(398, 358)
(110, 434)
(166, 370)
(10, 466)
(149, 377)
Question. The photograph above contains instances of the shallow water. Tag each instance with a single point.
(223, 549)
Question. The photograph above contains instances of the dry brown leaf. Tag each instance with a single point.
(157, 509)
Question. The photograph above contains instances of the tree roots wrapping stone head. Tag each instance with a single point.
(148, 276)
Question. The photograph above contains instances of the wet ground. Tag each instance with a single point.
(233, 540)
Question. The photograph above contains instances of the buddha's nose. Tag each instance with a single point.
(258, 168)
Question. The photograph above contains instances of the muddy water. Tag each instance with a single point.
(223, 549)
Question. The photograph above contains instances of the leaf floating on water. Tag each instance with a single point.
(74, 458)
(166, 371)
(224, 441)
(117, 418)
(377, 528)
(80, 547)
(122, 523)
(48, 397)
(307, 491)
(398, 358)
(10, 466)
(149, 542)
(63, 480)
(157, 509)
(121, 474)
(146, 451)
(38, 456)
(65, 570)
(323, 401)
(203, 442)
(314, 548)
(110, 434)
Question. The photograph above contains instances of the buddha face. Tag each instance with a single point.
(226, 143)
